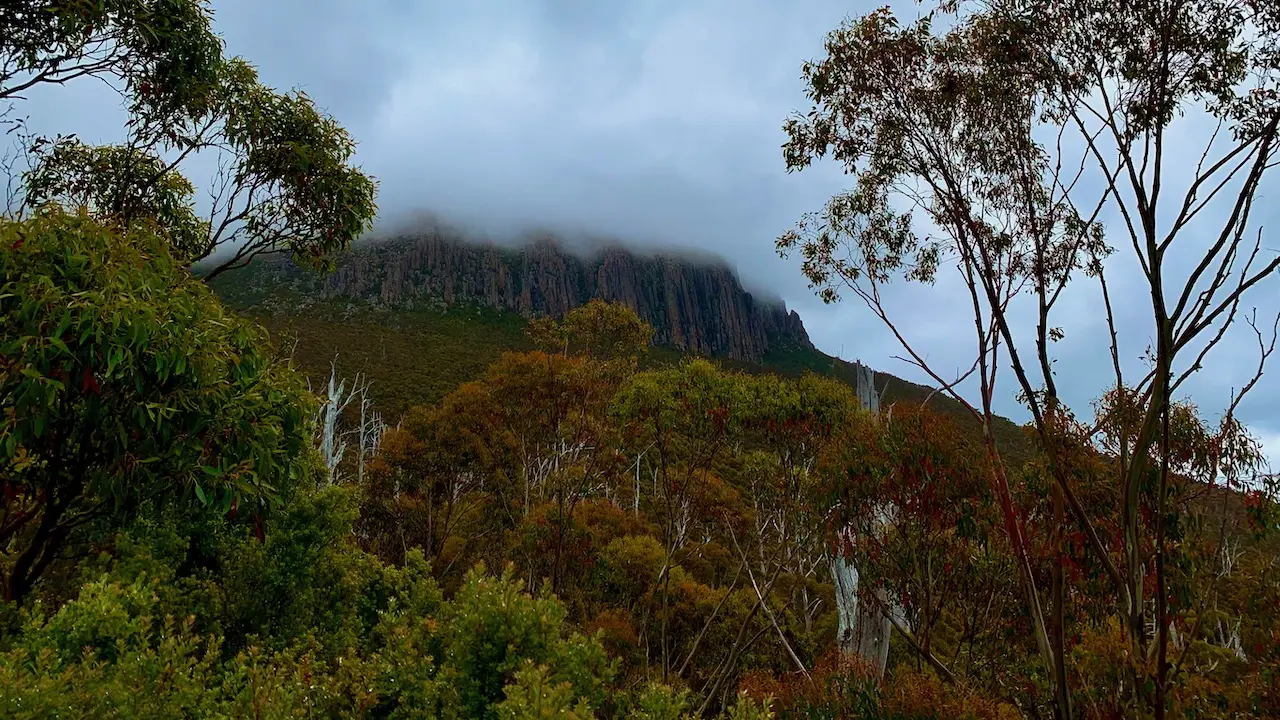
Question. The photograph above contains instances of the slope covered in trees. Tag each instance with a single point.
(575, 523)
(427, 341)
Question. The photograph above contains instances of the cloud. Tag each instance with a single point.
(656, 122)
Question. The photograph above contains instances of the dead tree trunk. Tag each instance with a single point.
(864, 628)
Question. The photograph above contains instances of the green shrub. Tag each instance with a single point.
(124, 382)
(493, 627)
(105, 655)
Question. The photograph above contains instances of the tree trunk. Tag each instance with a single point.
(863, 630)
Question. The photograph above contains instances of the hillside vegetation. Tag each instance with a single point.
(544, 503)
(414, 355)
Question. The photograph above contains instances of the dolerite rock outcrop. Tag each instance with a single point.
(696, 305)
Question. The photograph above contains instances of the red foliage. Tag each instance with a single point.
(837, 686)
(89, 383)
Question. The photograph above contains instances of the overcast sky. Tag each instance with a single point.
(652, 121)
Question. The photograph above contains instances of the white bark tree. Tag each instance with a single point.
(331, 435)
(371, 428)
(332, 446)
(864, 628)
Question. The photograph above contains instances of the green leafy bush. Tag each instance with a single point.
(124, 381)
(492, 628)
(106, 654)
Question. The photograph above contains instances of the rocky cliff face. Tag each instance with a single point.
(695, 305)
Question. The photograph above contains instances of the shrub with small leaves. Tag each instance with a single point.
(535, 695)
(106, 655)
(660, 702)
(493, 627)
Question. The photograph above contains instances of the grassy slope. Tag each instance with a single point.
(411, 358)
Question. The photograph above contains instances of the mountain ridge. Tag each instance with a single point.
(693, 304)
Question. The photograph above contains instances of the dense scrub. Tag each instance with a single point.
(568, 533)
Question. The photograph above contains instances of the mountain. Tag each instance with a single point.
(420, 314)
(698, 306)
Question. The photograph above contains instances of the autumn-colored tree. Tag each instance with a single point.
(532, 431)
(939, 560)
(679, 422)
(1213, 471)
(556, 407)
(603, 330)
(967, 134)
(430, 475)
(791, 423)
(598, 344)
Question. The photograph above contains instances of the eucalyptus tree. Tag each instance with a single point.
(688, 418)
(989, 139)
(285, 182)
(123, 383)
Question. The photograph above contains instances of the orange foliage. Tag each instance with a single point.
(915, 694)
